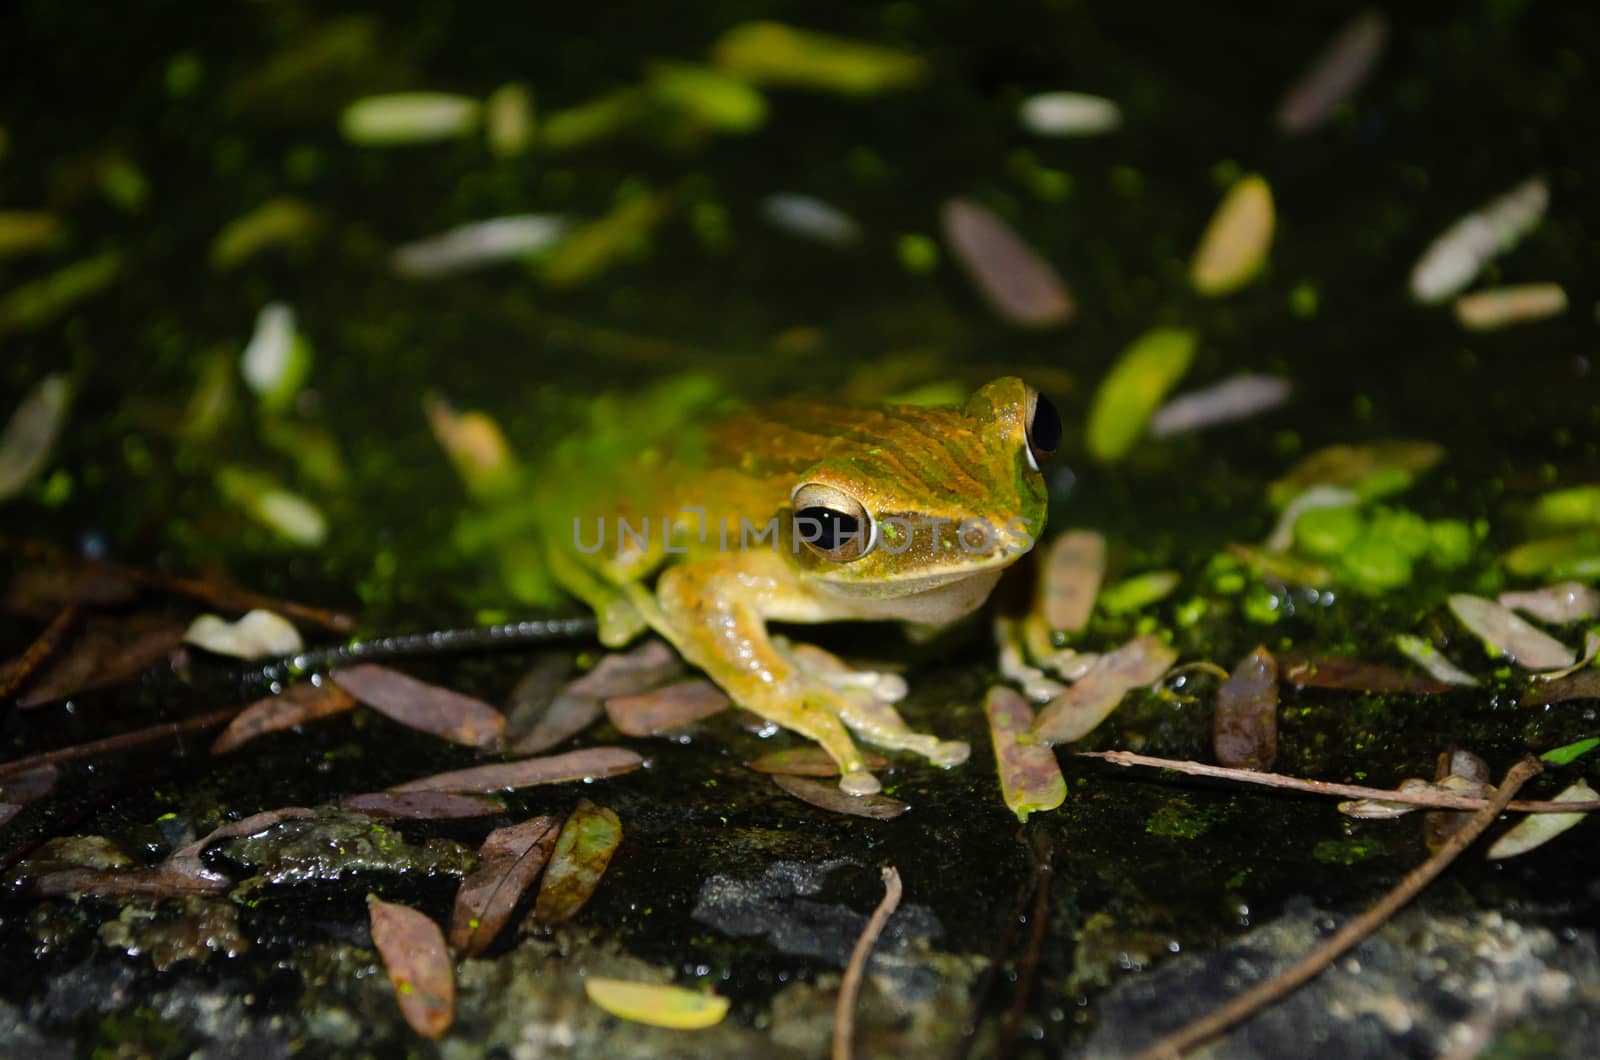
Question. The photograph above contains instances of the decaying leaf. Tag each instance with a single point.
(1353, 675)
(422, 706)
(107, 652)
(408, 118)
(1030, 776)
(578, 704)
(1433, 660)
(419, 966)
(419, 805)
(1500, 307)
(295, 705)
(1074, 713)
(1584, 684)
(1591, 651)
(1335, 75)
(1454, 259)
(1537, 829)
(1383, 809)
(31, 433)
(1245, 726)
(1017, 283)
(1134, 388)
(1238, 397)
(531, 697)
(509, 860)
(1503, 633)
(1069, 579)
(656, 1004)
(810, 762)
(1559, 604)
(771, 53)
(258, 634)
(583, 850)
(1370, 470)
(828, 797)
(667, 708)
(1235, 243)
(586, 764)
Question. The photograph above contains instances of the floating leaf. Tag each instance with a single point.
(419, 805)
(588, 839)
(277, 359)
(480, 244)
(1074, 713)
(1017, 283)
(258, 634)
(829, 797)
(1500, 307)
(578, 704)
(1069, 114)
(770, 53)
(811, 218)
(1235, 243)
(1565, 755)
(284, 221)
(1335, 75)
(25, 230)
(656, 1004)
(589, 763)
(1134, 388)
(1354, 675)
(35, 304)
(31, 433)
(422, 706)
(1138, 592)
(1069, 579)
(408, 118)
(1454, 260)
(508, 120)
(1244, 732)
(418, 964)
(1537, 829)
(1433, 660)
(708, 95)
(1030, 776)
(1503, 633)
(1372, 470)
(588, 250)
(295, 705)
(810, 762)
(1238, 397)
(665, 709)
(509, 860)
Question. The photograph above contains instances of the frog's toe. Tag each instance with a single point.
(950, 753)
(891, 688)
(859, 782)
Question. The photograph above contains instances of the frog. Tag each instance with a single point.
(807, 511)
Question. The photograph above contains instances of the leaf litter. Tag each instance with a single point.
(413, 952)
(877, 807)
(583, 850)
(587, 764)
(425, 707)
(509, 860)
(294, 706)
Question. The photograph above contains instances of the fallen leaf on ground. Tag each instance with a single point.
(1537, 829)
(107, 652)
(258, 634)
(656, 1004)
(419, 805)
(1335, 75)
(1018, 284)
(418, 964)
(585, 764)
(1559, 604)
(583, 850)
(829, 797)
(809, 762)
(1433, 660)
(1245, 726)
(1134, 388)
(578, 703)
(1069, 579)
(1030, 776)
(1354, 675)
(1074, 713)
(665, 709)
(419, 705)
(1503, 632)
(1235, 243)
(295, 705)
(509, 860)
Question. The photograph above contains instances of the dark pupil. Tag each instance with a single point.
(827, 529)
(1045, 430)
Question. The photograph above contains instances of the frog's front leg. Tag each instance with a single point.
(710, 611)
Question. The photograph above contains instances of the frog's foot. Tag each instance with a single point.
(863, 700)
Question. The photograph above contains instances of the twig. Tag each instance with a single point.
(844, 1010)
(1043, 857)
(1309, 966)
(1433, 800)
(119, 742)
(37, 653)
(980, 993)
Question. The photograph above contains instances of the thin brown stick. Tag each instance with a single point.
(1309, 966)
(1043, 856)
(1432, 800)
(39, 652)
(844, 1010)
(221, 596)
(120, 742)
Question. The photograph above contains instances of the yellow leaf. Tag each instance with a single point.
(656, 1004)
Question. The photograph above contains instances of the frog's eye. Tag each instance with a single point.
(831, 523)
(1044, 428)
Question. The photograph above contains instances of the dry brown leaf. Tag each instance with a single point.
(667, 708)
(508, 862)
(585, 764)
(418, 964)
(295, 705)
(419, 705)
(829, 797)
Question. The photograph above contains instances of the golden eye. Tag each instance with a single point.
(832, 523)
(1044, 428)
